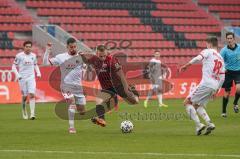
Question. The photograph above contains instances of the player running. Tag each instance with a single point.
(26, 61)
(112, 80)
(71, 79)
(212, 80)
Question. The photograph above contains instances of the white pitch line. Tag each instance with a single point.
(123, 153)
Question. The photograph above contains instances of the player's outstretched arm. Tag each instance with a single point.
(46, 55)
(193, 61)
(88, 58)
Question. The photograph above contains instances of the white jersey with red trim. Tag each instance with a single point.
(212, 69)
(26, 63)
(71, 68)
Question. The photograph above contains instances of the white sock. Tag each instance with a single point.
(159, 98)
(71, 113)
(192, 114)
(32, 106)
(202, 112)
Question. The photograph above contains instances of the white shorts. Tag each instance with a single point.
(157, 85)
(27, 86)
(75, 92)
(201, 95)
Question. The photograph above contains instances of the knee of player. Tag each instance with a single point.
(227, 94)
(135, 100)
(186, 102)
(70, 101)
(31, 96)
(24, 98)
(81, 109)
(237, 90)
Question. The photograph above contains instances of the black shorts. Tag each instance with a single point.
(118, 90)
(231, 76)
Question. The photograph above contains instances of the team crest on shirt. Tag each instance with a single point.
(104, 68)
(117, 66)
(104, 65)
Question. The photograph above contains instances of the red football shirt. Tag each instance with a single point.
(106, 71)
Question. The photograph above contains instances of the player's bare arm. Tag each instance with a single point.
(46, 54)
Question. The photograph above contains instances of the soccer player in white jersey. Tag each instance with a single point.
(26, 62)
(156, 76)
(71, 79)
(213, 74)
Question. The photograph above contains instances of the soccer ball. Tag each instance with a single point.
(126, 126)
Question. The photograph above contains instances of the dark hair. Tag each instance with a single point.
(71, 40)
(27, 42)
(212, 40)
(101, 48)
(230, 33)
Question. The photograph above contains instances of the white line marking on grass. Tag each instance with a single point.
(123, 153)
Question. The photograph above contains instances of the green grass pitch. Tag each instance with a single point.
(170, 136)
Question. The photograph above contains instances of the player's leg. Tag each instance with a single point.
(191, 111)
(203, 95)
(237, 94)
(204, 115)
(23, 88)
(31, 86)
(149, 95)
(160, 94)
(70, 100)
(24, 108)
(102, 100)
(116, 107)
(227, 86)
(131, 96)
(80, 104)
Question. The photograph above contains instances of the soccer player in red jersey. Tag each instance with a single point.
(112, 81)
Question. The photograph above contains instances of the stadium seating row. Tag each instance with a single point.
(4, 3)
(179, 14)
(170, 1)
(15, 19)
(10, 11)
(198, 29)
(136, 44)
(177, 7)
(82, 12)
(120, 5)
(107, 28)
(16, 27)
(118, 36)
(219, 2)
(53, 4)
(229, 15)
(224, 8)
(165, 52)
(185, 21)
(138, 36)
(95, 20)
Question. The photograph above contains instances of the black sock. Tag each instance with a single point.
(237, 96)
(224, 104)
(100, 111)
